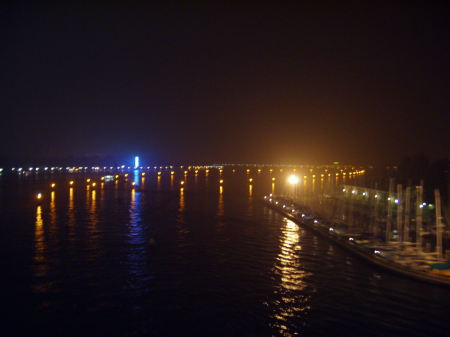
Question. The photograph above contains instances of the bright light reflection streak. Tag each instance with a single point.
(39, 238)
(52, 208)
(181, 207)
(220, 209)
(137, 243)
(136, 177)
(292, 281)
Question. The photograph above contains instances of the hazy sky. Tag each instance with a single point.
(225, 84)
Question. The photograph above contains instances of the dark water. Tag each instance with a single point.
(161, 261)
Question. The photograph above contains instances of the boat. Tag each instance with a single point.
(394, 257)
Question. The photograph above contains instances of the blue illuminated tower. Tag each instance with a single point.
(136, 162)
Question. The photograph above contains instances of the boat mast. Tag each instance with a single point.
(407, 214)
(437, 197)
(389, 210)
(419, 191)
(399, 211)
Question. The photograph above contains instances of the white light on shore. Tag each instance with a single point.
(293, 179)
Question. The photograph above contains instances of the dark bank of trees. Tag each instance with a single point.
(414, 170)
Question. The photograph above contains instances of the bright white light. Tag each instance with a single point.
(331, 229)
(377, 252)
(136, 162)
(351, 239)
(343, 190)
(396, 201)
(293, 179)
(376, 195)
(316, 221)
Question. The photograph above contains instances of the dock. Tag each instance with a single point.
(399, 258)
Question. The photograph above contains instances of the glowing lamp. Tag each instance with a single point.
(273, 179)
(71, 182)
(221, 181)
(39, 196)
(250, 180)
(182, 182)
(53, 185)
(293, 179)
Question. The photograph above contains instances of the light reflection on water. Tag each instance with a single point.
(179, 255)
(292, 299)
(220, 209)
(39, 237)
(52, 212)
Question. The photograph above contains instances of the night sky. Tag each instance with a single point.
(215, 84)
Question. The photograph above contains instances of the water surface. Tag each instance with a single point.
(202, 260)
